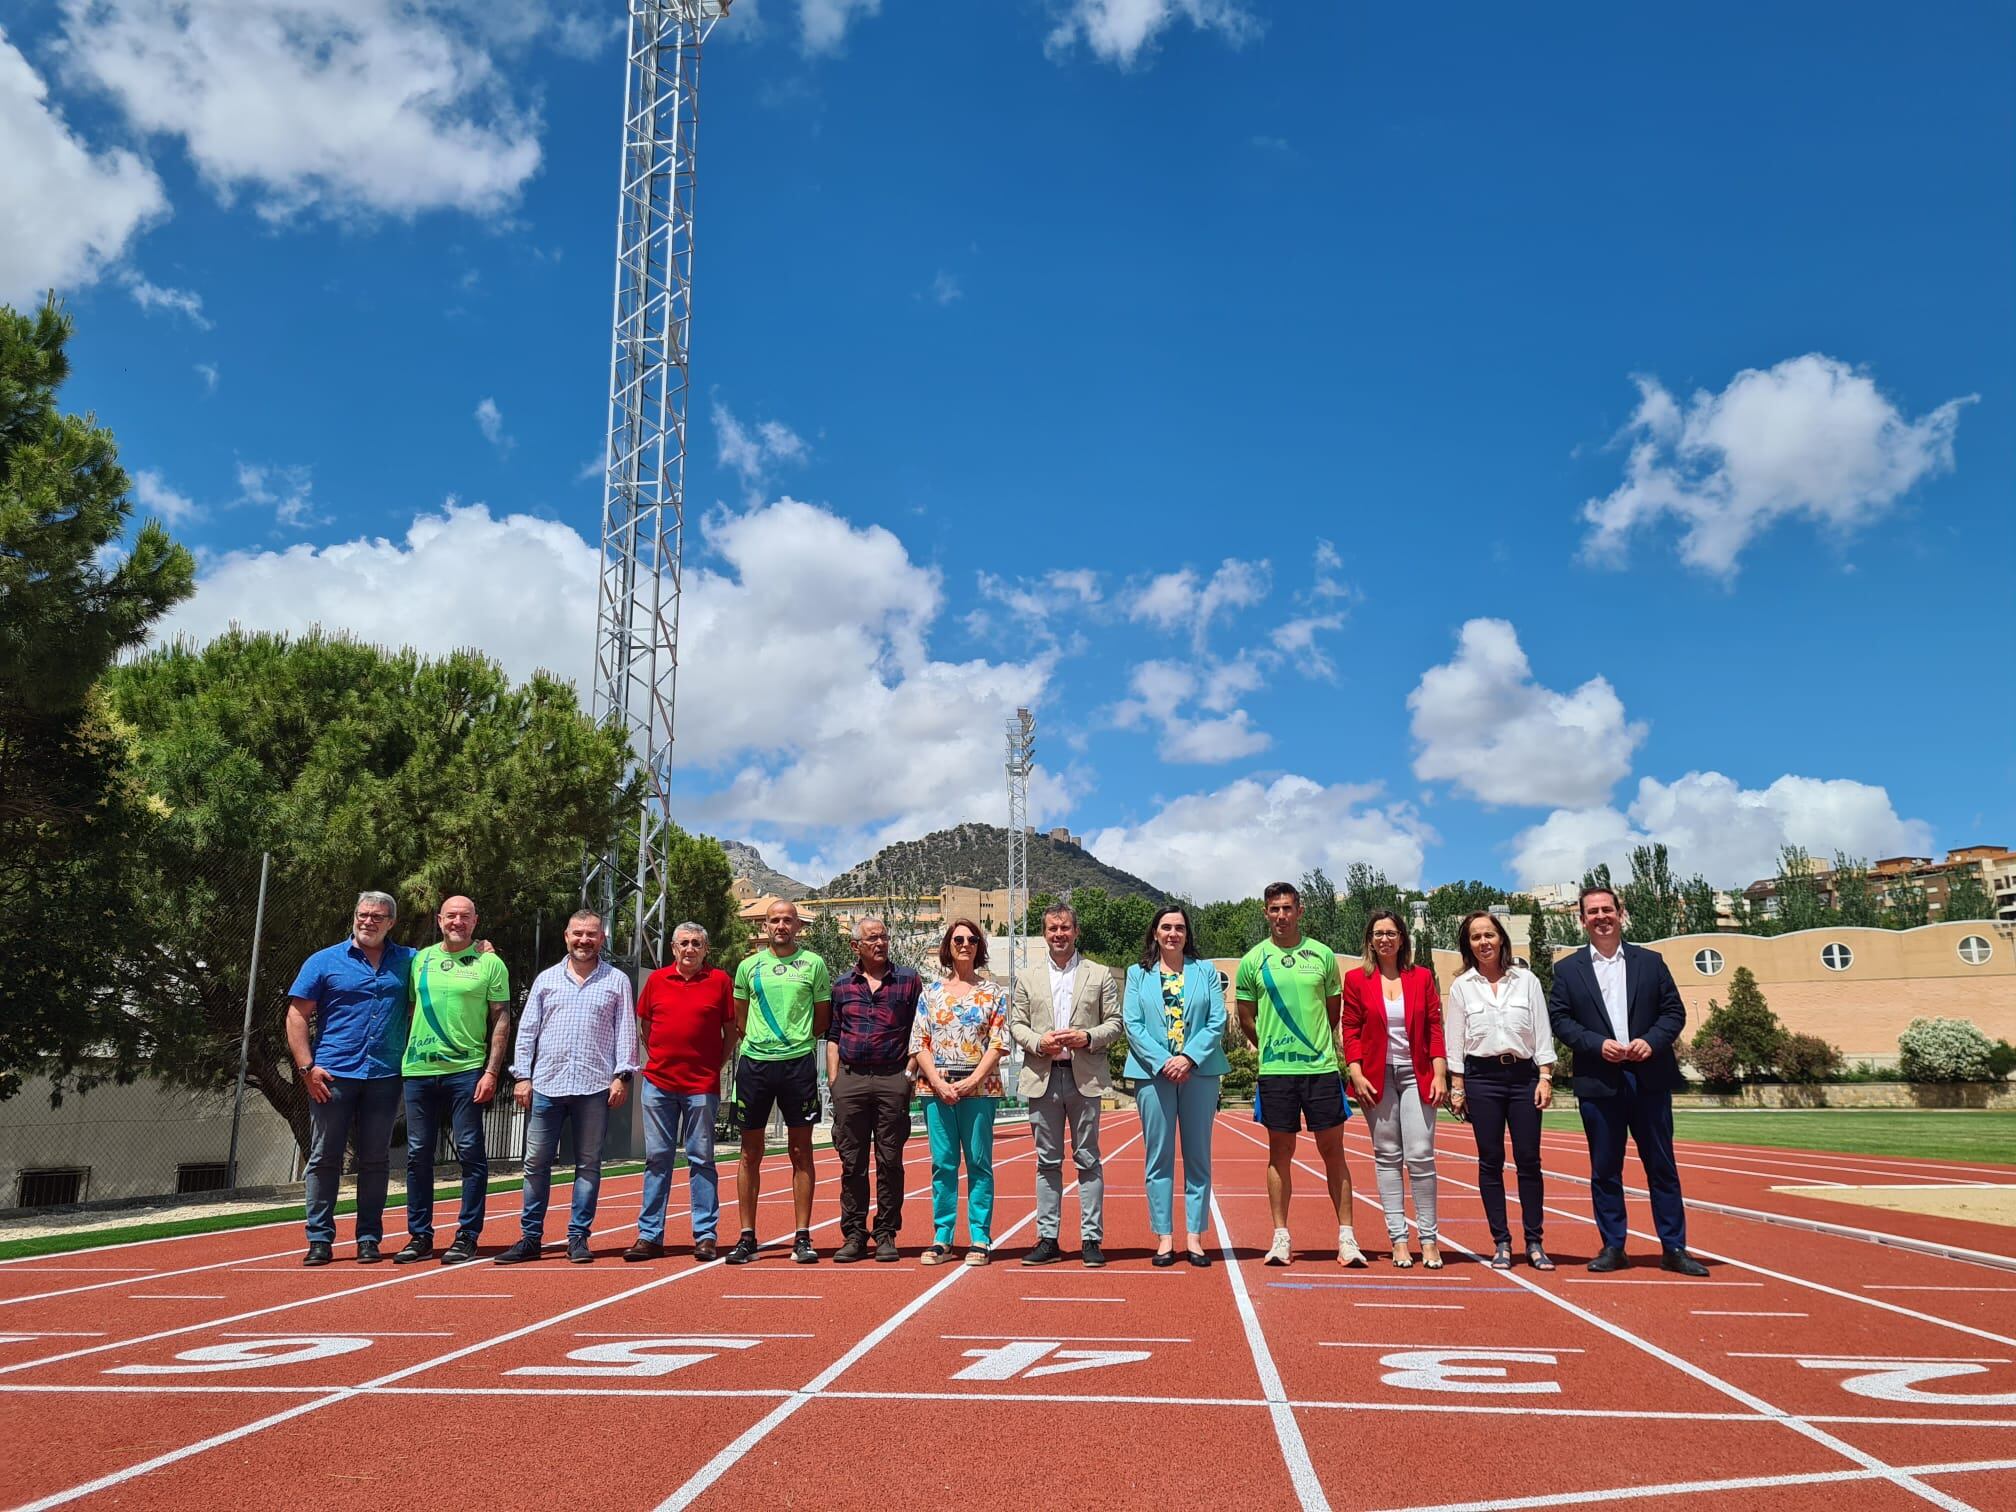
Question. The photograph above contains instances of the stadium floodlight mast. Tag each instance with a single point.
(644, 488)
(1021, 758)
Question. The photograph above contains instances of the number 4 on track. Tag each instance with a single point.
(1006, 1362)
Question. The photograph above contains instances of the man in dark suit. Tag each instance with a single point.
(1617, 1008)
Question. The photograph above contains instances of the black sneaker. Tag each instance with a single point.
(525, 1249)
(744, 1251)
(856, 1248)
(367, 1252)
(318, 1253)
(1091, 1254)
(1046, 1252)
(885, 1249)
(416, 1249)
(461, 1252)
(802, 1251)
(578, 1252)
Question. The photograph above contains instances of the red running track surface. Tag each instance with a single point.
(1809, 1370)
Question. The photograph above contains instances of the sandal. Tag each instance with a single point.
(1402, 1260)
(938, 1254)
(1537, 1258)
(1431, 1255)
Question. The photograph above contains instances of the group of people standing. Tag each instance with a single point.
(369, 1021)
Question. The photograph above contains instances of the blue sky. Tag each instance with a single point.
(1464, 440)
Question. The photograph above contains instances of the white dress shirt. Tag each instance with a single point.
(1063, 986)
(1616, 999)
(1508, 1019)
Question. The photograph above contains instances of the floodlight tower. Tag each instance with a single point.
(644, 487)
(1021, 757)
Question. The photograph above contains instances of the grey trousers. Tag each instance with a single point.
(1061, 1102)
(1403, 1132)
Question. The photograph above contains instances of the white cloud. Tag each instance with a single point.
(69, 213)
(1119, 31)
(341, 106)
(1232, 842)
(1172, 600)
(207, 371)
(1161, 689)
(1296, 638)
(1483, 723)
(1211, 741)
(1038, 602)
(490, 421)
(584, 35)
(945, 289)
(157, 498)
(802, 710)
(287, 491)
(1811, 438)
(754, 453)
(822, 24)
(151, 296)
(1730, 834)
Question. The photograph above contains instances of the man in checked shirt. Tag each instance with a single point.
(576, 1055)
(867, 1053)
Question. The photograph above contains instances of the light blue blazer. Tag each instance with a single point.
(1148, 1028)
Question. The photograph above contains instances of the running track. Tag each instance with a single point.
(1814, 1369)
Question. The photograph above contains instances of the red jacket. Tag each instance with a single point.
(1363, 1025)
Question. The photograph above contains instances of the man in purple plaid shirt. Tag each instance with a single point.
(576, 1055)
(867, 1061)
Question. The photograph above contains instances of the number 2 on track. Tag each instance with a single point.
(1897, 1381)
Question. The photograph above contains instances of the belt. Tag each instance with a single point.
(874, 1068)
(1507, 1059)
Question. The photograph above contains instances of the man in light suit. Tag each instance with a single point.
(1064, 1015)
(1617, 1008)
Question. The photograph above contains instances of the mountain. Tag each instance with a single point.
(976, 855)
(747, 861)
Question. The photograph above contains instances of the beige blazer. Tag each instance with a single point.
(1095, 1008)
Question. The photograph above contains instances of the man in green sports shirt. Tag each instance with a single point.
(783, 998)
(455, 1049)
(1288, 993)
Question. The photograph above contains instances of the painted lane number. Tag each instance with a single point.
(1898, 1381)
(248, 1354)
(1478, 1372)
(1023, 1359)
(636, 1357)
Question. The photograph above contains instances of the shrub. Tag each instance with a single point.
(1748, 1028)
(1715, 1061)
(1944, 1050)
(1242, 1073)
(1807, 1058)
(2001, 1060)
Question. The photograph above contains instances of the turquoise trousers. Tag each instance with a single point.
(1170, 1112)
(962, 1128)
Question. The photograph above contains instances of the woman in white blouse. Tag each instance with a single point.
(1501, 1062)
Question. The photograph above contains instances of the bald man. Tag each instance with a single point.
(454, 1055)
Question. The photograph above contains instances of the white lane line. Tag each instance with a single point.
(1444, 1344)
(1063, 1338)
(1878, 1286)
(1888, 1359)
(22, 1335)
(1737, 1312)
(1700, 1487)
(697, 1483)
(348, 1333)
(175, 1296)
(1074, 1299)
(1869, 1462)
(87, 1270)
(1795, 1160)
(1414, 1306)
(1287, 1432)
(631, 1333)
(348, 1393)
(461, 1296)
(771, 1296)
(1684, 1283)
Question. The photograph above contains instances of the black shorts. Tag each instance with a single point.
(1280, 1103)
(790, 1086)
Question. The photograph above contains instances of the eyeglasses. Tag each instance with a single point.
(965, 939)
(374, 918)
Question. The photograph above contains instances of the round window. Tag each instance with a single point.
(1975, 950)
(1708, 962)
(1836, 956)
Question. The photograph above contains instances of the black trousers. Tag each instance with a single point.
(1501, 1097)
(870, 1111)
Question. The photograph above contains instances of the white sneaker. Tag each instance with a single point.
(1348, 1252)
(1278, 1252)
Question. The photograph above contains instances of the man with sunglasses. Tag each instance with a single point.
(783, 998)
(346, 1032)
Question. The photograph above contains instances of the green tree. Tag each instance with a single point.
(1797, 890)
(827, 940)
(1747, 1026)
(1854, 893)
(1322, 912)
(1652, 903)
(1227, 930)
(1699, 914)
(1539, 955)
(357, 768)
(1906, 906)
(1365, 890)
(1966, 898)
(697, 879)
(71, 599)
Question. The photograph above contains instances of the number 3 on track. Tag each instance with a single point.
(1479, 1372)
(1897, 1381)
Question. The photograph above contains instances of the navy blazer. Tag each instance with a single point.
(1654, 1012)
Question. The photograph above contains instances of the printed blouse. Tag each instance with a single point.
(1172, 1009)
(956, 1033)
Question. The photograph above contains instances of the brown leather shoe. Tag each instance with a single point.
(645, 1249)
(703, 1249)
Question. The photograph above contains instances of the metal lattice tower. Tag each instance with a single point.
(1021, 758)
(644, 498)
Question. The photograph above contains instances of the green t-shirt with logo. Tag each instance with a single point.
(1292, 988)
(780, 992)
(452, 994)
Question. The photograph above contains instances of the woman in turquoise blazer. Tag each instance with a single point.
(1174, 1011)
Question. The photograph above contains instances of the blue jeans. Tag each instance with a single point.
(589, 1113)
(368, 1105)
(672, 1119)
(432, 1101)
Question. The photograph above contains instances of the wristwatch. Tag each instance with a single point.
(302, 1068)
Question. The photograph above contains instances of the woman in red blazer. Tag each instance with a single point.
(1399, 1071)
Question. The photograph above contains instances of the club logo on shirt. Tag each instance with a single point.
(780, 969)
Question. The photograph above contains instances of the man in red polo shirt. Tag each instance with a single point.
(687, 1026)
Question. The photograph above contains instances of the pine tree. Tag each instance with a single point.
(1966, 898)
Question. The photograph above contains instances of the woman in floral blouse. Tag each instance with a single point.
(956, 1042)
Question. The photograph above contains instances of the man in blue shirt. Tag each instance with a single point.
(346, 1029)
